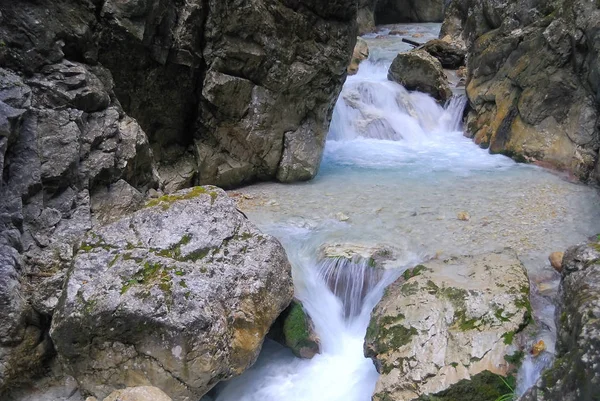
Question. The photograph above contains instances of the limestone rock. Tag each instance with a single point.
(418, 70)
(449, 55)
(374, 255)
(532, 79)
(361, 52)
(178, 295)
(62, 137)
(447, 320)
(142, 393)
(575, 373)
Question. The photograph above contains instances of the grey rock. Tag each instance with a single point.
(575, 374)
(111, 203)
(418, 70)
(445, 321)
(178, 295)
(527, 71)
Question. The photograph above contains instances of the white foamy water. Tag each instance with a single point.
(396, 171)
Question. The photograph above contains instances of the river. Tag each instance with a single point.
(396, 172)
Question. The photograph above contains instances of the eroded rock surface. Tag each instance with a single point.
(533, 79)
(575, 374)
(447, 320)
(178, 295)
(66, 139)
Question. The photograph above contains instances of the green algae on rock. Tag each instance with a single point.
(298, 331)
(445, 321)
(179, 294)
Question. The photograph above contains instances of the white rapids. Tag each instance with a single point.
(396, 171)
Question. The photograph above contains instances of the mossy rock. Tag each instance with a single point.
(298, 332)
(484, 386)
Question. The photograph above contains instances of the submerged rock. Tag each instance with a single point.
(556, 259)
(448, 320)
(419, 71)
(575, 373)
(361, 52)
(178, 295)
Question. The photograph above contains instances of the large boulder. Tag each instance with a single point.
(178, 295)
(575, 374)
(445, 321)
(419, 71)
(533, 79)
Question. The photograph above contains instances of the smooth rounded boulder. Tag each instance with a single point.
(178, 295)
(417, 70)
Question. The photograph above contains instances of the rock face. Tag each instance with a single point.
(63, 139)
(445, 321)
(225, 93)
(418, 70)
(179, 295)
(533, 79)
(575, 374)
(371, 12)
(233, 93)
(361, 52)
(393, 11)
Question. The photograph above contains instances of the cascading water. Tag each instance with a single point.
(395, 172)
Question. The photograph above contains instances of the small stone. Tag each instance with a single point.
(341, 216)
(538, 348)
(463, 216)
(556, 259)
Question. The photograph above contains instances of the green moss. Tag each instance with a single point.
(516, 358)
(150, 273)
(113, 261)
(166, 201)
(484, 386)
(93, 242)
(296, 329)
(508, 337)
(415, 271)
(409, 289)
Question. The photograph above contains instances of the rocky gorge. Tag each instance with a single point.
(411, 265)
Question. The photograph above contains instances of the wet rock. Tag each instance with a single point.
(178, 295)
(298, 331)
(445, 321)
(556, 259)
(575, 373)
(449, 55)
(142, 393)
(361, 52)
(374, 255)
(528, 79)
(417, 70)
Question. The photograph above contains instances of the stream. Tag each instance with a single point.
(396, 172)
